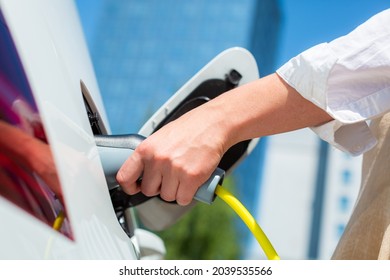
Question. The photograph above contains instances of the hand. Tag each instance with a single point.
(177, 159)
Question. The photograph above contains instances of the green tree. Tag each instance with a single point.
(207, 232)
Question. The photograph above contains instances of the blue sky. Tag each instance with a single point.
(306, 23)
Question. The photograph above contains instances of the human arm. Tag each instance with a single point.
(177, 159)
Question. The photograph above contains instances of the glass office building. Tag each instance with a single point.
(144, 51)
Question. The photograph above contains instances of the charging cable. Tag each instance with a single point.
(248, 219)
(57, 224)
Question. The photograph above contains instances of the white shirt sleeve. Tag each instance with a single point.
(350, 79)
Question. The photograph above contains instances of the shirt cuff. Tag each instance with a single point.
(308, 73)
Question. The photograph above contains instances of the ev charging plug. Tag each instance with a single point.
(115, 149)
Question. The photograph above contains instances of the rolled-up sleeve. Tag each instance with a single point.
(349, 78)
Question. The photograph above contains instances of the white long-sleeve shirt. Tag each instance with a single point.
(349, 78)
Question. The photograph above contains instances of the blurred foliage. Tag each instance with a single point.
(207, 232)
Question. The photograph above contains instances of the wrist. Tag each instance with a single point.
(224, 120)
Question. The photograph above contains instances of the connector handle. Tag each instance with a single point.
(206, 193)
(115, 149)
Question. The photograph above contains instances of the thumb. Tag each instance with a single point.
(129, 173)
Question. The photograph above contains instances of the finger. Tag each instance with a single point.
(151, 180)
(169, 187)
(185, 194)
(129, 174)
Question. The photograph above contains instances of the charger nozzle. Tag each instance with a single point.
(115, 149)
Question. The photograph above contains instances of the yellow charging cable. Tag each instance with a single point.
(251, 223)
